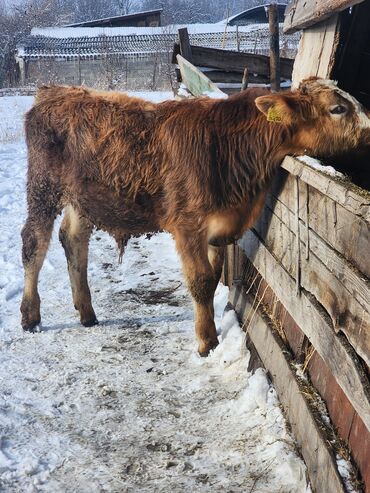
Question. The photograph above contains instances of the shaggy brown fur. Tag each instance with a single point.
(199, 169)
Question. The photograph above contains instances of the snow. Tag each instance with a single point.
(345, 470)
(316, 164)
(215, 94)
(183, 91)
(155, 97)
(79, 32)
(127, 405)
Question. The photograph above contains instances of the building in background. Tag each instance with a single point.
(128, 57)
(255, 15)
(149, 18)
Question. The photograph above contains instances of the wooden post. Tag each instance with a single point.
(22, 71)
(274, 48)
(298, 239)
(237, 39)
(79, 70)
(225, 30)
(185, 48)
(245, 80)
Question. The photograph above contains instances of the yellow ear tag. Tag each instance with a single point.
(273, 115)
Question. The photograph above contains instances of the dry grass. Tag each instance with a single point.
(309, 353)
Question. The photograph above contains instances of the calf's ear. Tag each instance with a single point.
(277, 108)
(288, 109)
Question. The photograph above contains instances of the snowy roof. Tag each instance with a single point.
(76, 32)
(116, 19)
(135, 42)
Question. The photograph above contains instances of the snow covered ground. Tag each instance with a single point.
(126, 406)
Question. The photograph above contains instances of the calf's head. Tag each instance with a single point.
(323, 120)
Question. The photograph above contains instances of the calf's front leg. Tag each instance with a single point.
(202, 283)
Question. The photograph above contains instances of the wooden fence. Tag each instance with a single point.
(300, 284)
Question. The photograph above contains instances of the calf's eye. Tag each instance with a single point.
(338, 110)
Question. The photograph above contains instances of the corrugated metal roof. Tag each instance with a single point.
(256, 41)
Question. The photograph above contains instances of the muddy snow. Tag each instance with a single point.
(128, 405)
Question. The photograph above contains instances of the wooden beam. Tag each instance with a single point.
(219, 76)
(235, 62)
(245, 80)
(197, 83)
(301, 14)
(222, 76)
(337, 354)
(184, 43)
(315, 448)
(338, 219)
(316, 51)
(274, 47)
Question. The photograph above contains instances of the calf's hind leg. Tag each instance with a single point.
(74, 234)
(36, 235)
(43, 199)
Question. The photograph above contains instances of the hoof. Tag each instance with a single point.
(31, 326)
(204, 349)
(90, 322)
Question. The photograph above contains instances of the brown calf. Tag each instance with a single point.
(199, 169)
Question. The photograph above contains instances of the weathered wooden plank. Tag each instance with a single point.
(339, 356)
(197, 83)
(301, 14)
(341, 411)
(360, 448)
(341, 226)
(350, 314)
(222, 76)
(352, 280)
(228, 267)
(232, 77)
(274, 47)
(316, 51)
(341, 192)
(314, 446)
(184, 43)
(245, 80)
(234, 61)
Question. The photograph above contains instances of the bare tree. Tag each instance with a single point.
(126, 6)
(191, 11)
(15, 24)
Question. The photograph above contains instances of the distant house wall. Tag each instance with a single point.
(152, 72)
(143, 19)
(149, 21)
